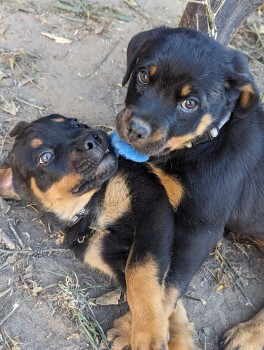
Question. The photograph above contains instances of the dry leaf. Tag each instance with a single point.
(261, 29)
(12, 62)
(43, 20)
(99, 30)
(8, 106)
(131, 3)
(58, 39)
(74, 336)
(6, 291)
(6, 240)
(220, 287)
(111, 298)
(36, 290)
(2, 75)
(25, 81)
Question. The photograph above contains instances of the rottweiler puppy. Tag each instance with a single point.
(193, 107)
(116, 217)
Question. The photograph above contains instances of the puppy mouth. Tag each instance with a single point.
(103, 172)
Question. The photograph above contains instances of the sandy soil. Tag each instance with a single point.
(47, 297)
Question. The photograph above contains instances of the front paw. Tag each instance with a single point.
(244, 336)
(120, 335)
(149, 341)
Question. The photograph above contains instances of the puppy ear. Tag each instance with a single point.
(6, 183)
(240, 79)
(136, 45)
(18, 129)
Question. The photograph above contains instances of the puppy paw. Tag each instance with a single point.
(120, 335)
(148, 341)
(181, 330)
(244, 336)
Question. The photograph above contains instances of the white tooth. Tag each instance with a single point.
(214, 132)
(189, 145)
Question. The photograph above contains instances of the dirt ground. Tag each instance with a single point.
(66, 61)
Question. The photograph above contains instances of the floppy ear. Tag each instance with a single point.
(240, 79)
(136, 45)
(6, 183)
(18, 129)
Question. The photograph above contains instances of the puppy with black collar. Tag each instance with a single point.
(193, 107)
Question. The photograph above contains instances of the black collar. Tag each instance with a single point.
(211, 134)
(77, 217)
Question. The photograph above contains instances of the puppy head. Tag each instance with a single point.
(58, 162)
(182, 84)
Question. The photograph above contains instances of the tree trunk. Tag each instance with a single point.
(219, 18)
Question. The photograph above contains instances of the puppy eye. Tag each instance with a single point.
(143, 77)
(75, 123)
(189, 104)
(45, 157)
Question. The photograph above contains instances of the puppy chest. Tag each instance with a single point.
(112, 238)
(115, 204)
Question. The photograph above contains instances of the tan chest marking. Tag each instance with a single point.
(116, 202)
(172, 185)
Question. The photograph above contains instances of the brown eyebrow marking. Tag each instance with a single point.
(36, 143)
(152, 70)
(58, 120)
(185, 90)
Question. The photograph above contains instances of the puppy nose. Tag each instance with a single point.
(91, 142)
(138, 129)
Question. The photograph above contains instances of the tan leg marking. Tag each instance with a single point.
(246, 336)
(145, 296)
(93, 255)
(181, 330)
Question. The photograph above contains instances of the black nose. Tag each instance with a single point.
(91, 141)
(138, 129)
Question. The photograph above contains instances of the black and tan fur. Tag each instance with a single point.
(127, 229)
(193, 107)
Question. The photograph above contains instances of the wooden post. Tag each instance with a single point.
(218, 18)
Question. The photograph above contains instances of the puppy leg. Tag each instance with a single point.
(146, 326)
(145, 295)
(181, 330)
(246, 336)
